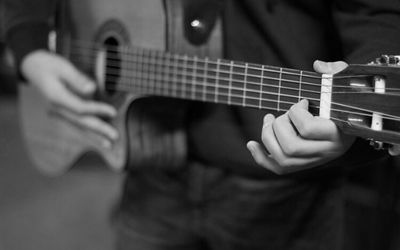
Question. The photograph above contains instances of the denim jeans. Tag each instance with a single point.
(203, 207)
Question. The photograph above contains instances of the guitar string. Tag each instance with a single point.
(141, 52)
(197, 60)
(353, 107)
(156, 53)
(228, 99)
(251, 90)
(160, 87)
(163, 67)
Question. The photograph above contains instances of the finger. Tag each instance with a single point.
(294, 145)
(394, 150)
(92, 124)
(268, 162)
(261, 158)
(310, 127)
(77, 81)
(329, 67)
(64, 98)
(270, 141)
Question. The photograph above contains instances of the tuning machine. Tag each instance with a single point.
(388, 60)
(380, 87)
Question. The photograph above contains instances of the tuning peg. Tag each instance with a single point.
(378, 145)
(388, 60)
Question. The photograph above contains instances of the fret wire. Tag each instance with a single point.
(165, 73)
(175, 75)
(216, 82)
(230, 83)
(279, 89)
(194, 78)
(261, 85)
(141, 70)
(162, 75)
(184, 78)
(156, 73)
(301, 78)
(245, 84)
(205, 78)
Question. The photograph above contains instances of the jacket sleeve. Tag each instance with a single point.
(27, 23)
(367, 28)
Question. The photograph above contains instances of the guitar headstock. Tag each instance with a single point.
(366, 100)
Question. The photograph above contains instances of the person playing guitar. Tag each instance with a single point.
(220, 197)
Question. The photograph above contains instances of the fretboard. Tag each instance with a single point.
(148, 72)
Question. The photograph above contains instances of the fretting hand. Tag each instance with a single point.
(69, 93)
(297, 140)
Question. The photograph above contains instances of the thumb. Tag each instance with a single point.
(329, 67)
(76, 80)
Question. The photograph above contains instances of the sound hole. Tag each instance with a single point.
(112, 65)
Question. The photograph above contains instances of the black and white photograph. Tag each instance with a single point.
(199, 124)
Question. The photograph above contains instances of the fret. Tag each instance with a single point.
(210, 81)
(180, 77)
(300, 80)
(189, 72)
(245, 85)
(237, 83)
(158, 74)
(167, 63)
(193, 95)
(261, 87)
(184, 76)
(151, 72)
(223, 86)
(141, 71)
(175, 76)
(230, 83)
(290, 88)
(311, 90)
(271, 87)
(253, 85)
(217, 82)
(204, 97)
(145, 73)
(279, 90)
(131, 65)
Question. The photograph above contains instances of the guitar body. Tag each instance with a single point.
(55, 144)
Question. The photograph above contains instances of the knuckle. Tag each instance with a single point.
(305, 130)
(279, 170)
(290, 149)
(284, 163)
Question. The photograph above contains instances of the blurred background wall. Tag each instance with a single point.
(73, 211)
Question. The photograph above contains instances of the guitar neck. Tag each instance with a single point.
(149, 72)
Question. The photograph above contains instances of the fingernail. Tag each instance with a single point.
(250, 146)
(268, 119)
(106, 144)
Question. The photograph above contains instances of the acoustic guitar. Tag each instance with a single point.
(140, 49)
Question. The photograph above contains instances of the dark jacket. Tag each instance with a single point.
(289, 33)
